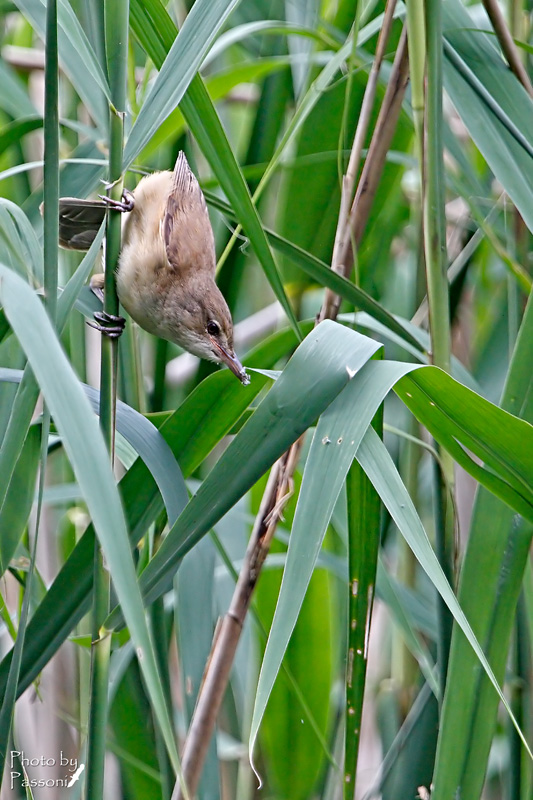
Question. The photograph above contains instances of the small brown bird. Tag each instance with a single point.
(166, 270)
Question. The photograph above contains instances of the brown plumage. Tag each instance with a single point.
(166, 270)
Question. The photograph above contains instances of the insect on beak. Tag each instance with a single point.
(230, 359)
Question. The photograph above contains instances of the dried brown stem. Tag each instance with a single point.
(373, 168)
(507, 44)
(277, 491)
(348, 182)
(279, 485)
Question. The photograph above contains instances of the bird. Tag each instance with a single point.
(165, 274)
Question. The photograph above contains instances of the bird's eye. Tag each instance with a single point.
(213, 328)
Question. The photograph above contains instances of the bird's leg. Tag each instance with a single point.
(97, 286)
(108, 324)
(125, 205)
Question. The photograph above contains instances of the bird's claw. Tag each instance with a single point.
(125, 205)
(108, 324)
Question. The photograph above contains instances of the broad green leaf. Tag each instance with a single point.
(85, 447)
(154, 451)
(21, 240)
(335, 442)
(15, 511)
(472, 62)
(325, 276)
(271, 27)
(210, 503)
(195, 624)
(323, 364)
(76, 56)
(365, 321)
(14, 131)
(13, 96)
(204, 418)
(178, 69)
(218, 85)
(496, 556)
(205, 124)
(28, 391)
(447, 408)
(378, 465)
(294, 750)
(460, 419)
(132, 742)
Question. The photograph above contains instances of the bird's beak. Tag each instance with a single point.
(230, 359)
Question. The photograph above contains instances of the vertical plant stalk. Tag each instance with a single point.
(116, 35)
(434, 219)
(280, 479)
(416, 32)
(51, 238)
(51, 162)
(404, 666)
(161, 642)
(332, 301)
(434, 225)
(519, 700)
(364, 511)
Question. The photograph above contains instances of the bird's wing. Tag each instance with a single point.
(187, 231)
(79, 222)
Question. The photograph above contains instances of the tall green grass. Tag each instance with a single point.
(344, 625)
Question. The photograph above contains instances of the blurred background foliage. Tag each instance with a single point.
(274, 112)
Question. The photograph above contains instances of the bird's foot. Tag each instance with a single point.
(125, 205)
(108, 324)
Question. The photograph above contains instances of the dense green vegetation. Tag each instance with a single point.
(368, 169)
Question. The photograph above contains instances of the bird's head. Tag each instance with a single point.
(205, 328)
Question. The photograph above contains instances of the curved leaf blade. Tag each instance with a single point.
(154, 451)
(77, 57)
(379, 466)
(203, 120)
(202, 420)
(337, 437)
(183, 61)
(89, 458)
(472, 62)
(458, 418)
(321, 367)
